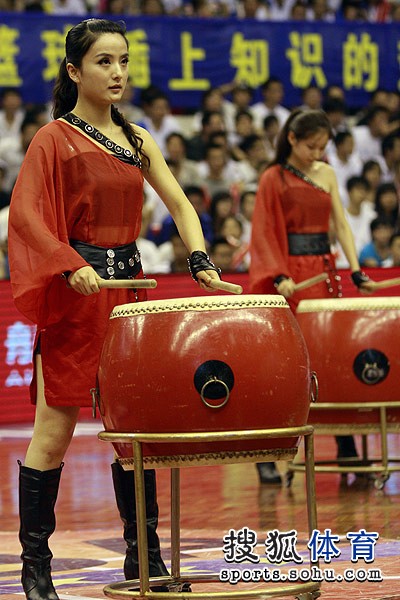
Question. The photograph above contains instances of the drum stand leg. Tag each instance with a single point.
(141, 517)
(175, 523)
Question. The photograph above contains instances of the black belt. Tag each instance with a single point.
(120, 262)
(308, 243)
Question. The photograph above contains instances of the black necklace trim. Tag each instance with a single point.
(122, 153)
(303, 176)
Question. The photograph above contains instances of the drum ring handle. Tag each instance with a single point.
(215, 380)
(314, 387)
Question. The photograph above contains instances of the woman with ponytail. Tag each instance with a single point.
(297, 201)
(75, 215)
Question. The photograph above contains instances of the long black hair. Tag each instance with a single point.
(65, 93)
(303, 123)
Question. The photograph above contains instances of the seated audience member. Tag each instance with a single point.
(197, 198)
(232, 230)
(272, 95)
(222, 205)
(390, 156)
(158, 119)
(254, 152)
(241, 99)
(246, 210)
(12, 113)
(174, 252)
(298, 11)
(372, 172)
(387, 202)
(212, 101)
(377, 252)
(336, 111)
(368, 137)
(211, 122)
(244, 126)
(359, 214)
(252, 9)
(270, 135)
(311, 97)
(13, 149)
(394, 245)
(185, 171)
(5, 197)
(221, 254)
(216, 178)
(132, 112)
(344, 160)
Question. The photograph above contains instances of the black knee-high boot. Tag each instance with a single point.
(37, 497)
(124, 487)
(346, 447)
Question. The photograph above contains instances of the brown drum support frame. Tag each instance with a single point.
(120, 590)
(380, 467)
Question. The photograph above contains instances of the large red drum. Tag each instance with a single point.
(204, 364)
(354, 349)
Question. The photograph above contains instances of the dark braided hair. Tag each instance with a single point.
(65, 93)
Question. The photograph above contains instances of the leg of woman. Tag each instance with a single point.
(38, 487)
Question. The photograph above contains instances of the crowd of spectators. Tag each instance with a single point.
(374, 11)
(218, 154)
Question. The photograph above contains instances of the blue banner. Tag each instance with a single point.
(186, 56)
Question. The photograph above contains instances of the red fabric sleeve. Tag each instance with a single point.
(39, 250)
(268, 246)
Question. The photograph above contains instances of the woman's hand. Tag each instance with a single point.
(84, 281)
(205, 277)
(286, 288)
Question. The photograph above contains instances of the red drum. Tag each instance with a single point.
(354, 349)
(200, 365)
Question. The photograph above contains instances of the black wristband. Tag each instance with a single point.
(279, 280)
(200, 261)
(359, 277)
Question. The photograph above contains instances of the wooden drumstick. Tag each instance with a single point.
(306, 283)
(127, 283)
(225, 286)
(385, 283)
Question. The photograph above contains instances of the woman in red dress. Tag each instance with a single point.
(297, 203)
(75, 215)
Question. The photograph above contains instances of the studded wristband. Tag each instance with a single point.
(279, 280)
(359, 277)
(200, 261)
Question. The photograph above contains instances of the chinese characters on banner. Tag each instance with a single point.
(185, 57)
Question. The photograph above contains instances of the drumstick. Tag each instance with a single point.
(225, 286)
(385, 283)
(306, 283)
(127, 283)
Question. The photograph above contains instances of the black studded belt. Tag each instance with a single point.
(120, 262)
(308, 243)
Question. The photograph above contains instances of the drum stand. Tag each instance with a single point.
(299, 590)
(379, 467)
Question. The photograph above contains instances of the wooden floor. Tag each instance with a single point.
(88, 549)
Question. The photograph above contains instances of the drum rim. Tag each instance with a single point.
(199, 303)
(348, 304)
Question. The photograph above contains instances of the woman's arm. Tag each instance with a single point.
(164, 183)
(343, 231)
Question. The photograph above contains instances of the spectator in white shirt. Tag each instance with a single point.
(368, 137)
(12, 113)
(158, 119)
(359, 214)
(390, 156)
(344, 160)
(272, 92)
